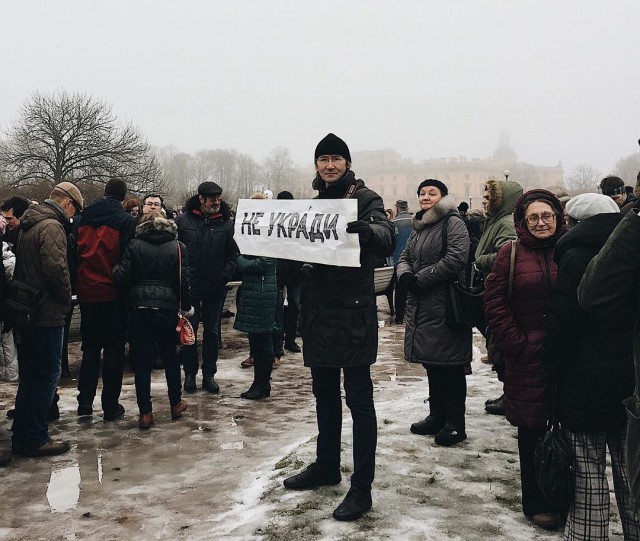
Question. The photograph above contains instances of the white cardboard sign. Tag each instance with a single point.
(309, 230)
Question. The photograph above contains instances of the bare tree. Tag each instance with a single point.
(76, 137)
(247, 174)
(584, 178)
(628, 168)
(278, 170)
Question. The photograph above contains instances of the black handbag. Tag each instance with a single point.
(463, 304)
(553, 466)
(553, 461)
(22, 303)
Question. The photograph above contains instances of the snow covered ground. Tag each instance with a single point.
(217, 472)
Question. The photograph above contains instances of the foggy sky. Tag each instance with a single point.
(428, 78)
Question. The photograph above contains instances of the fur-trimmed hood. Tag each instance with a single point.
(157, 231)
(503, 195)
(444, 207)
(193, 203)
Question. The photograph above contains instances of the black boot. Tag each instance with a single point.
(433, 423)
(453, 431)
(496, 408)
(260, 388)
(355, 504)
(190, 383)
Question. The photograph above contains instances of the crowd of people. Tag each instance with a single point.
(559, 277)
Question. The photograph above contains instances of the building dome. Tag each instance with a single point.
(504, 153)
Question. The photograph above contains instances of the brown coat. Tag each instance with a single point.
(41, 261)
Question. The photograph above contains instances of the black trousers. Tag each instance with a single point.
(103, 328)
(358, 389)
(400, 300)
(447, 393)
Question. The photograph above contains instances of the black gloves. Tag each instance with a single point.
(409, 282)
(363, 229)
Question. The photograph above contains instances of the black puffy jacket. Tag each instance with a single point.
(339, 314)
(589, 356)
(149, 270)
(212, 250)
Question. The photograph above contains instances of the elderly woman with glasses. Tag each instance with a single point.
(515, 302)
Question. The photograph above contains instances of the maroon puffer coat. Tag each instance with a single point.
(518, 325)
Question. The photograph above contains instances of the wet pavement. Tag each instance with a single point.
(217, 472)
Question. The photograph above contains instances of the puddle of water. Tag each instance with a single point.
(63, 491)
(100, 467)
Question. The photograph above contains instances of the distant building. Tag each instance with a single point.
(395, 177)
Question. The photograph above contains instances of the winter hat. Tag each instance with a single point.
(585, 205)
(70, 190)
(268, 194)
(209, 189)
(433, 182)
(332, 144)
(612, 186)
(402, 205)
(463, 207)
(285, 195)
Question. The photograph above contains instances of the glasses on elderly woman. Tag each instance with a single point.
(546, 217)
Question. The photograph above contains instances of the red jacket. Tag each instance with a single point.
(518, 325)
(102, 234)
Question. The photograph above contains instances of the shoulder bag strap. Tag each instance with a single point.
(512, 266)
(179, 276)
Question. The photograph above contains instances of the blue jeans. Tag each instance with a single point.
(147, 329)
(39, 365)
(208, 311)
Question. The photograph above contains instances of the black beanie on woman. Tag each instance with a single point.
(436, 183)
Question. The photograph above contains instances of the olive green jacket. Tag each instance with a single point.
(499, 227)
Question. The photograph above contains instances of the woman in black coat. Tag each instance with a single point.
(149, 271)
(588, 368)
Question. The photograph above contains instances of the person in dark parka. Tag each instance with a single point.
(149, 272)
(609, 288)
(206, 229)
(588, 367)
(425, 267)
(340, 332)
(518, 328)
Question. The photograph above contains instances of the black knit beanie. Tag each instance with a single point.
(285, 195)
(332, 144)
(433, 182)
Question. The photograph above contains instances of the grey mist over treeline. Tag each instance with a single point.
(240, 93)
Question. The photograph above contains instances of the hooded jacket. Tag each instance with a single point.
(103, 231)
(588, 356)
(339, 313)
(428, 340)
(212, 250)
(517, 325)
(257, 295)
(498, 227)
(41, 261)
(149, 271)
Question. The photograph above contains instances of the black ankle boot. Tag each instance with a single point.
(428, 427)
(355, 504)
(257, 391)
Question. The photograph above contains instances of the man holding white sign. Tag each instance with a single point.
(340, 329)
